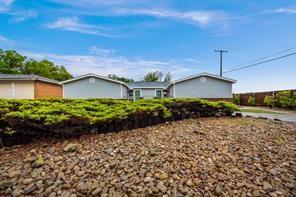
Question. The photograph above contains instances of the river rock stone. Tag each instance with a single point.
(71, 147)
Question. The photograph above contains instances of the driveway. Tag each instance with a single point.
(283, 117)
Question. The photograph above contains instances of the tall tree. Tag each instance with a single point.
(167, 77)
(12, 62)
(153, 76)
(123, 79)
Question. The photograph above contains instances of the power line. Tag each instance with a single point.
(262, 58)
(273, 59)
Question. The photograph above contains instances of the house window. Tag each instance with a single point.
(158, 93)
(137, 94)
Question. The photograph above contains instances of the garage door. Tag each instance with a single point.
(24, 89)
(5, 90)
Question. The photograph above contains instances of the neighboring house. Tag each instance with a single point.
(146, 90)
(94, 86)
(203, 85)
(28, 87)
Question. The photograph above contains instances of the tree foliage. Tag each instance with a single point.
(12, 62)
(158, 76)
(283, 99)
(167, 78)
(123, 79)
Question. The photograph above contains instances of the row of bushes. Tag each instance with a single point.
(64, 116)
(284, 99)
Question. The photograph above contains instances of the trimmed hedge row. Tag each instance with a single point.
(24, 119)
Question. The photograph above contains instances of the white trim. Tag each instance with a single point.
(63, 91)
(135, 94)
(13, 90)
(32, 79)
(161, 95)
(201, 75)
(174, 90)
(147, 87)
(93, 75)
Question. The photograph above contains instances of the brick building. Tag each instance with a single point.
(28, 87)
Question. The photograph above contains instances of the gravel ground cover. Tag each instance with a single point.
(195, 157)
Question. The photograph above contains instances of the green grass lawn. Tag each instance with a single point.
(262, 111)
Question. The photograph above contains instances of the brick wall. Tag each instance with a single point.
(43, 89)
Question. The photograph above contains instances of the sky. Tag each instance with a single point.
(130, 38)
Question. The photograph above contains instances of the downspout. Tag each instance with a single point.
(63, 91)
(13, 89)
(174, 90)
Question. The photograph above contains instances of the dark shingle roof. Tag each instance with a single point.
(4, 77)
(143, 84)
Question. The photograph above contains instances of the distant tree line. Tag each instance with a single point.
(149, 77)
(11, 62)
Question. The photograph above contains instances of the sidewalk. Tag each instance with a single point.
(283, 111)
(283, 117)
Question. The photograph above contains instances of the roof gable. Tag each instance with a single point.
(203, 75)
(4, 77)
(93, 75)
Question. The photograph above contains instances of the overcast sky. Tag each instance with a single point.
(130, 38)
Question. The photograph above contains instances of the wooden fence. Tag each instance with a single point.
(259, 97)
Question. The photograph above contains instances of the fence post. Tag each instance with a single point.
(273, 99)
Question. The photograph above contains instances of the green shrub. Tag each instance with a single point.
(236, 99)
(251, 101)
(60, 115)
(286, 99)
(269, 101)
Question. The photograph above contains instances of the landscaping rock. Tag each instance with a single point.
(30, 188)
(6, 184)
(71, 147)
(233, 157)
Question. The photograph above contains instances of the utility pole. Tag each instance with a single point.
(221, 59)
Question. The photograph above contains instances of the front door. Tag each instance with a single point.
(137, 94)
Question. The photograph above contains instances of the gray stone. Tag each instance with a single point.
(17, 192)
(30, 188)
(266, 186)
(71, 147)
(109, 151)
(218, 189)
(148, 179)
(66, 194)
(27, 181)
(81, 187)
(53, 194)
(6, 184)
(13, 173)
(97, 191)
(161, 186)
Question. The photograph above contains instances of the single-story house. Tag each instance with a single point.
(28, 87)
(203, 85)
(141, 89)
(94, 86)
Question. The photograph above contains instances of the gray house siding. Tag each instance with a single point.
(148, 93)
(194, 88)
(101, 88)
